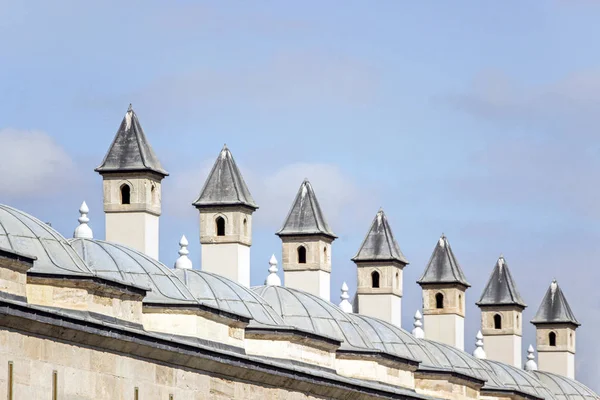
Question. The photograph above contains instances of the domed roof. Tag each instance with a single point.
(224, 294)
(28, 235)
(511, 377)
(115, 261)
(457, 360)
(564, 388)
(394, 340)
(311, 313)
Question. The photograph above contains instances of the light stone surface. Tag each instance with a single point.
(279, 347)
(136, 224)
(13, 277)
(313, 282)
(559, 359)
(503, 344)
(84, 296)
(504, 348)
(314, 275)
(442, 388)
(454, 300)
(387, 307)
(449, 329)
(373, 370)
(90, 374)
(390, 278)
(227, 255)
(195, 324)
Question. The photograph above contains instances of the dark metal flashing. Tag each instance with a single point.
(126, 287)
(201, 307)
(451, 373)
(380, 354)
(555, 308)
(305, 216)
(491, 391)
(191, 354)
(225, 185)
(13, 297)
(130, 151)
(379, 244)
(288, 331)
(501, 288)
(17, 256)
(443, 266)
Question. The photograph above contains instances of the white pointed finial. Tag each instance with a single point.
(183, 262)
(479, 352)
(273, 279)
(418, 332)
(345, 305)
(83, 231)
(530, 365)
(442, 240)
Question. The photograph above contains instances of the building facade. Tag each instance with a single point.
(87, 318)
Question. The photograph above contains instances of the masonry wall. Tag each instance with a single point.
(88, 373)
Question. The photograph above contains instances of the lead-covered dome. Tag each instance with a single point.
(451, 358)
(563, 388)
(311, 313)
(115, 261)
(514, 378)
(227, 295)
(28, 235)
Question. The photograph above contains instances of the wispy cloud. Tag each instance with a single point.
(33, 164)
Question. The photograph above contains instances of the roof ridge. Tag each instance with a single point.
(305, 216)
(443, 266)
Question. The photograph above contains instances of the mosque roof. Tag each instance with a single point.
(225, 185)
(513, 378)
(314, 314)
(554, 308)
(501, 289)
(563, 388)
(27, 235)
(130, 150)
(443, 266)
(225, 294)
(116, 261)
(305, 216)
(380, 244)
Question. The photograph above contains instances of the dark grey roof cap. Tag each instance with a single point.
(379, 244)
(130, 150)
(554, 308)
(443, 267)
(501, 288)
(225, 185)
(305, 216)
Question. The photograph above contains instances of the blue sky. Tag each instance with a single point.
(474, 119)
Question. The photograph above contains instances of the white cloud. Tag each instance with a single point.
(32, 163)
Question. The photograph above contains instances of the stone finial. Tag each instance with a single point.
(530, 365)
(418, 331)
(345, 305)
(479, 352)
(83, 231)
(183, 262)
(273, 279)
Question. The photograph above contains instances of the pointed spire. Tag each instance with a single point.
(443, 266)
(225, 185)
(418, 331)
(273, 279)
(305, 216)
(130, 151)
(501, 288)
(554, 308)
(479, 352)
(83, 231)
(183, 262)
(345, 305)
(379, 244)
(530, 364)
